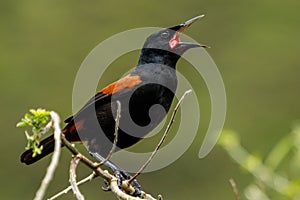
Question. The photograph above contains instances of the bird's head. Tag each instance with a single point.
(165, 45)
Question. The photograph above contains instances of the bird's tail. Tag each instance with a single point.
(48, 147)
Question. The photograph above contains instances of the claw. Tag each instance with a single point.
(137, 192)
(106, 188)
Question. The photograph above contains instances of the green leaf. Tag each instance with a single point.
(37, 120)
(21, 124)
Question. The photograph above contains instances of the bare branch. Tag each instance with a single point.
(234, 188)
(55, 158)
(65, 191)
(163, 137)
(73, 166)
(115, 134)
(106, 175)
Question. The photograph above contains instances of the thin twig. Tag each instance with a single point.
(65, 191)
(163, 137)
(115, 134)
(234, 188)
(73, 166)
(55, 158)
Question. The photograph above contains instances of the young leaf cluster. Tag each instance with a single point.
(37, 120)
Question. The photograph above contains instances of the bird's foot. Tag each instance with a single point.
(123, 176)
(120, 174)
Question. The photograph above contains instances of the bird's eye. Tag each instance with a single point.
(165, 34)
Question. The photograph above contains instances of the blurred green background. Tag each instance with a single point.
(255, 44)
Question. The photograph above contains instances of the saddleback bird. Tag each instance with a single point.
(153, 81)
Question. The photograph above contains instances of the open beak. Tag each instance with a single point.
(175, 40)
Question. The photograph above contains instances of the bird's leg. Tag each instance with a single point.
(119, 173)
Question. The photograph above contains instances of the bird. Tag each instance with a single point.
(152, 82)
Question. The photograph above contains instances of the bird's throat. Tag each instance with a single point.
(158, 56)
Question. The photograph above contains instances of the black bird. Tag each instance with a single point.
(153, 81)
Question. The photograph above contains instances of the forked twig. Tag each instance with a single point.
(163, 137)
(55, 158)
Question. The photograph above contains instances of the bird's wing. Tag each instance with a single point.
(104, 95)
